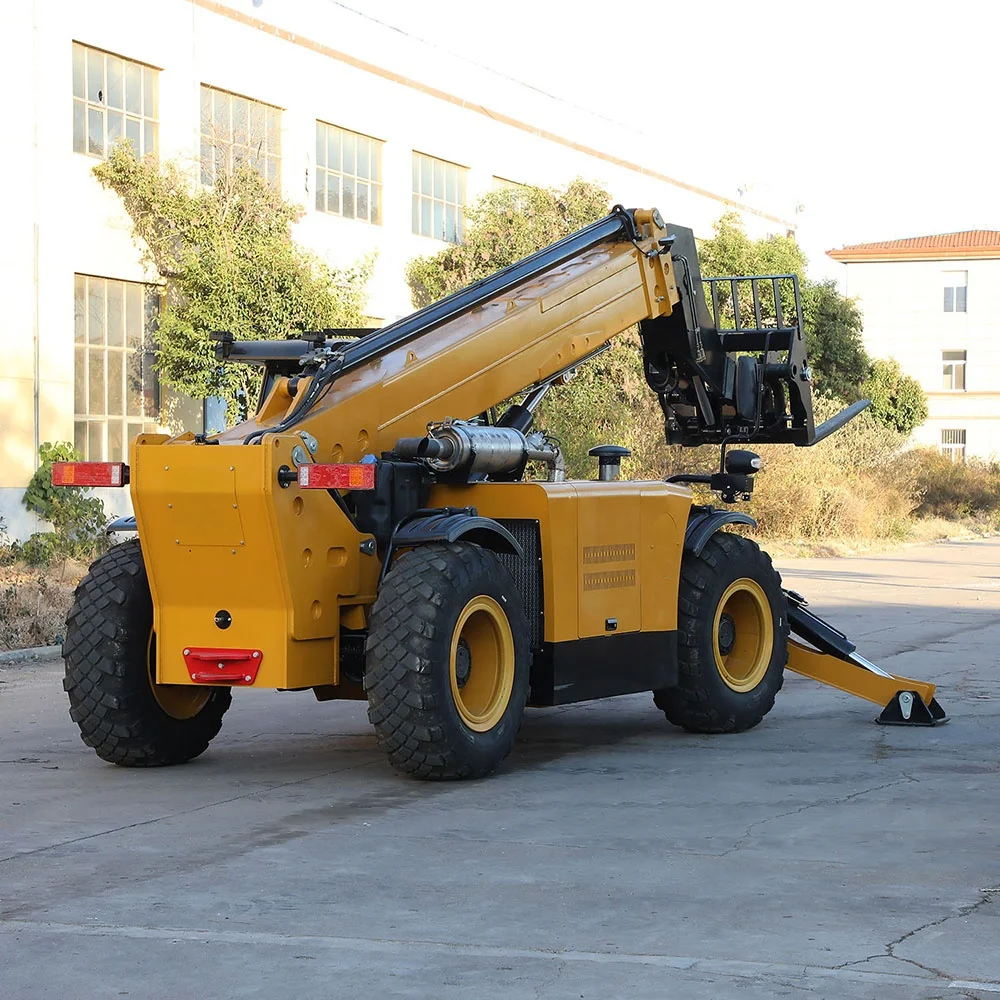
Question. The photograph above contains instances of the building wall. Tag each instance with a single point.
(62, 223)
(904, 318)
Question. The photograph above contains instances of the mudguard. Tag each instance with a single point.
(706, 521)
(451, 524)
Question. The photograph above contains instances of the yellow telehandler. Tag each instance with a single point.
(370, 532)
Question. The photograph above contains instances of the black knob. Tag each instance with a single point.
(609, 459)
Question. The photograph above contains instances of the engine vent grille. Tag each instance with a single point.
(527, 572)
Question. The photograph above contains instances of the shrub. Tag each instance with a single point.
(77, 518)
(951, 489)
(33, 607)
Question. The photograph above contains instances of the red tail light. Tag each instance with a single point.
(359, 476)
(89, 474)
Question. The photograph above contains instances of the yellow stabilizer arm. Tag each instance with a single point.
(836, 663)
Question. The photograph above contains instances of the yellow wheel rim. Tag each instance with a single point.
(481, 666)
(743, 635)
(179, 701)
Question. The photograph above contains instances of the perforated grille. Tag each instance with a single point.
(527, 572)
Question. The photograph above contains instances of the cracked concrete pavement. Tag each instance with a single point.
(613, 856)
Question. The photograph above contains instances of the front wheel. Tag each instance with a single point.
(447, 662)
(110, 654)
(733, 638)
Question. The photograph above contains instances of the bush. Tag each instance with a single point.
(951, 489)
(33, 607)
(77, 517)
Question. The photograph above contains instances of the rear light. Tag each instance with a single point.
(358, 476)
(211, 665)
(89, 474)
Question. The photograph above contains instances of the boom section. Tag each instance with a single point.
(458, 357)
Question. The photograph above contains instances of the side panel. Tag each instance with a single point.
(609, 550)
(664, 517)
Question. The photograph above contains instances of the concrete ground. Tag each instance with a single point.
(613, 856)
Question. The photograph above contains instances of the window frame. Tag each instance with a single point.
(956, 295)
(954, 371)
(90, 425)
(424, 215)
(86, 106)
(955, 450)
(324, 172)
(209, 140)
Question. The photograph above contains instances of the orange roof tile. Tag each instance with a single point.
(979, 243)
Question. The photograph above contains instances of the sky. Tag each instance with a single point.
(861, 120)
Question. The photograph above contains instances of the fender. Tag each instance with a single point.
(451, 524)
(705, 522)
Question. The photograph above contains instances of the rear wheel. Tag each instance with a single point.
(110, 654)
(733, 638)
(447, 662)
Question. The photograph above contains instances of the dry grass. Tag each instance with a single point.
(34, 603)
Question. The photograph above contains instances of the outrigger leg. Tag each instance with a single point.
(835, 661)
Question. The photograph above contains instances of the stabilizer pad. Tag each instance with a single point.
(907, 708)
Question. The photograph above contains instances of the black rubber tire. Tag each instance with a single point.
(703, 702)
(107, 677)
(407, 662)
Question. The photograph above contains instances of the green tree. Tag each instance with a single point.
(502, 227)
(898, 401)
(831, 321)
(731, 252)
(833, 341)
(228, 261)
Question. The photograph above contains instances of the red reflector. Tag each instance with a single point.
(89, 473)
(360, 476)
(209, 665)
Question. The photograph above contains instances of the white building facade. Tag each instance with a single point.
(382, 157)
(933, 304)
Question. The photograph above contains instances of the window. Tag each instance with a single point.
(953, 444)
(113, 99)
(520, 199)
(115, 388)
(348, 174)
(954, 369)
(438, 198)
(236, 130)
(955, 291)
